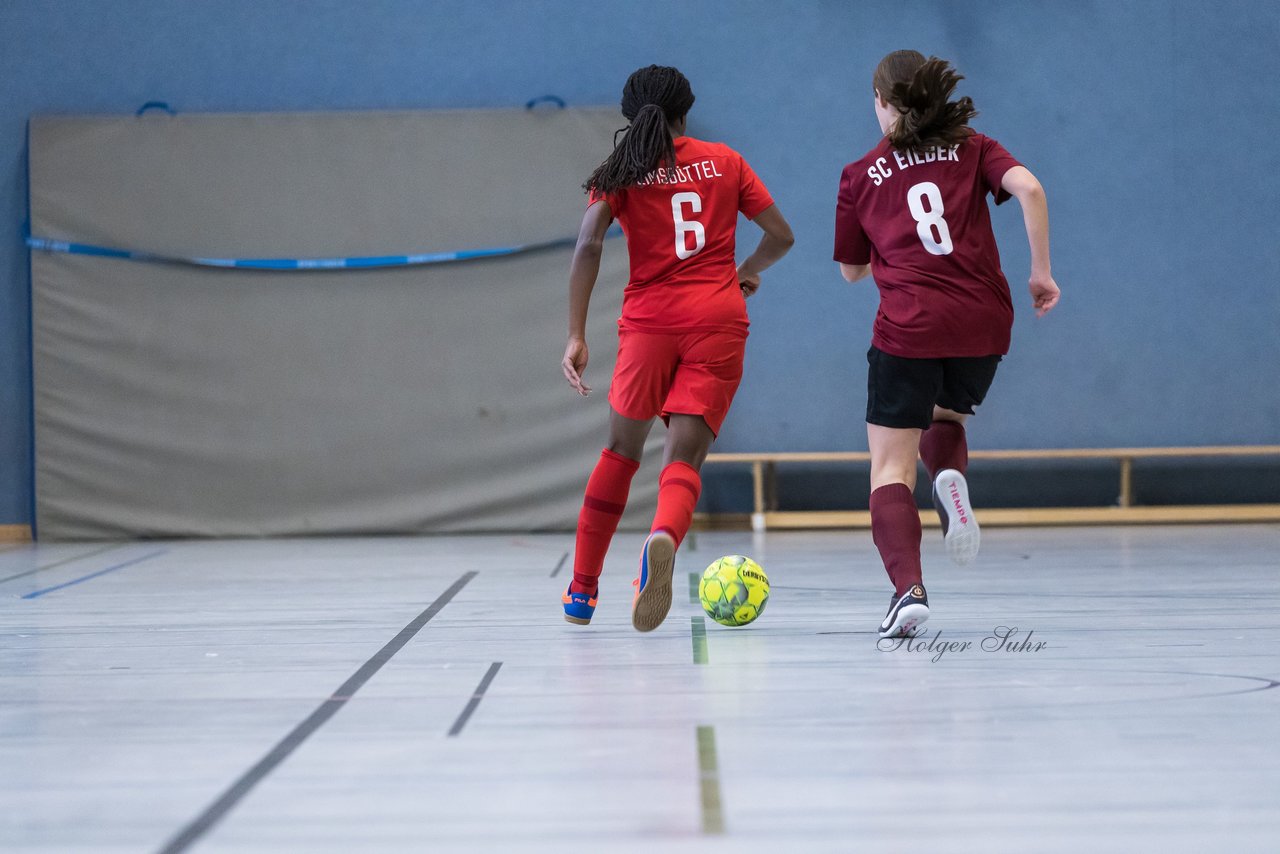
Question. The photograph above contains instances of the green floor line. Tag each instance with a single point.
(709, 781)
(699, 627)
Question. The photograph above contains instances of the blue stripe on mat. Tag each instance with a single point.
(37, 593)
(41, 244)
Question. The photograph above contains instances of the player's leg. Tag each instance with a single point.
(900, 395)
(635, 396)
(679, 485)
(603, 503)
(697, 402)
(943, 445)
(606, 496)
(688, 440)
(944, 450)
(895, 525)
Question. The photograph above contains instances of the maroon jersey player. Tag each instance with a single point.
(913, 214)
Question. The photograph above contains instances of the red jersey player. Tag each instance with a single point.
(683, 327)
(913, 213)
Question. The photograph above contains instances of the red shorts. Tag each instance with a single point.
(682, 373)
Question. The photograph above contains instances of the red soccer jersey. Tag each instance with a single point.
(680, 227)
(921, 220)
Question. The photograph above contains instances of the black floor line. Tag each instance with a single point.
(559, 566)
(475, 699)
(228, 800)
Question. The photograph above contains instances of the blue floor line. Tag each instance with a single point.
(37, 593)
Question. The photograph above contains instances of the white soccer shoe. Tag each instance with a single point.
(959, 527)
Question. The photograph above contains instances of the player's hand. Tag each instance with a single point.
(749, 282)
(574, 363)
(1044, 293)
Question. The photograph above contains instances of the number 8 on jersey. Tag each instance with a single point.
(928, 220)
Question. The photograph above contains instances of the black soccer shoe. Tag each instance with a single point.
(906, 613)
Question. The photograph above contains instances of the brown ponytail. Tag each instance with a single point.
(920, 88)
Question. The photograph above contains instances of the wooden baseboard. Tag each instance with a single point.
(1005, 517)
(15, 533)
(1028, 454)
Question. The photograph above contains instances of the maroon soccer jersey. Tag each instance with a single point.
(921, 220)
(681, 226)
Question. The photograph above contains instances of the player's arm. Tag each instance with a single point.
(582, 280)
(1022, 185)
(776, 241)
(851, 237)
(854, 272)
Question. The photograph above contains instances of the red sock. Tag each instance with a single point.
(678, 489)
(943, 446)
(602, 507)
(895, 529)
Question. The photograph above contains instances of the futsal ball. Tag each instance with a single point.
(734, 590)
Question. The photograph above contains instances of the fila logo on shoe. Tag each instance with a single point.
(957, 503)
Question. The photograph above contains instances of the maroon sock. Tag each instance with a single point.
(679, 486)
(602, 507)
(943, 446)
(895, 529)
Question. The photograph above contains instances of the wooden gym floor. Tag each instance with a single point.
(341, 695)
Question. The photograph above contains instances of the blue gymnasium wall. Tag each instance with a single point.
(1153, 126)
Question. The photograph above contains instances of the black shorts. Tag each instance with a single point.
(902, 392)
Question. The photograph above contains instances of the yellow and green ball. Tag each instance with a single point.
(734, 590)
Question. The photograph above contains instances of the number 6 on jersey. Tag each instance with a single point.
(685, 227)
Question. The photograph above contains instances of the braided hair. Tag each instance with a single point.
(652, 98)
(920, 88)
